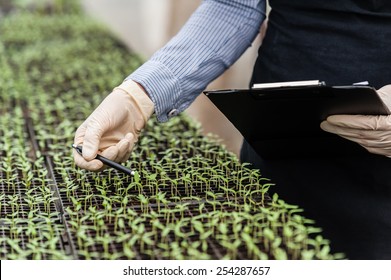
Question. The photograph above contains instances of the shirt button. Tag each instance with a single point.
(172, 113)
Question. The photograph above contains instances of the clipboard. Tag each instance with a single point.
(283, 121)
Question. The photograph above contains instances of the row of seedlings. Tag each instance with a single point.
(190, 199)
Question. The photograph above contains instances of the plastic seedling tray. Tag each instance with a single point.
(193, 200)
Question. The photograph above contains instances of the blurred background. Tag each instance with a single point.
(146, 25)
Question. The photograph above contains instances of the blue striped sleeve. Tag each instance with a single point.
(214, 37)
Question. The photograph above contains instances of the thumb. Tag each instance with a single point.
(385, 95)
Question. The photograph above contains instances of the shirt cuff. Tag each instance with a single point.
(162, 87)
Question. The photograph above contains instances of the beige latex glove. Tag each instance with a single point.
(113, 128)
(371, 132)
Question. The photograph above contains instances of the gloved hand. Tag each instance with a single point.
(113, 128)
(371, 132)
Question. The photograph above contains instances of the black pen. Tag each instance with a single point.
(108, 162)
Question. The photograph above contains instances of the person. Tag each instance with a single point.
(340, 42)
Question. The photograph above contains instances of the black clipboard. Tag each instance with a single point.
(284, 122)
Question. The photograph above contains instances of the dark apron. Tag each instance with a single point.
(339, 42)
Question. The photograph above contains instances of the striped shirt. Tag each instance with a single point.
(214, 37)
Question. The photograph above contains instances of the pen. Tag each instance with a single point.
(108, 162)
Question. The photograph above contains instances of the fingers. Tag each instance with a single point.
(340, 130)
(375, 141)
(380, 151)
(93, 165)
(79, 135)
(126, 150)
(88, 162)
(385, 95)
(121, 151)
(371, 132)
(362, 122)
(118, 153)
(359, 134)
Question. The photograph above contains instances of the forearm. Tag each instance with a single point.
(213, 39)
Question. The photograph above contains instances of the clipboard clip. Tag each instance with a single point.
(309, 83)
